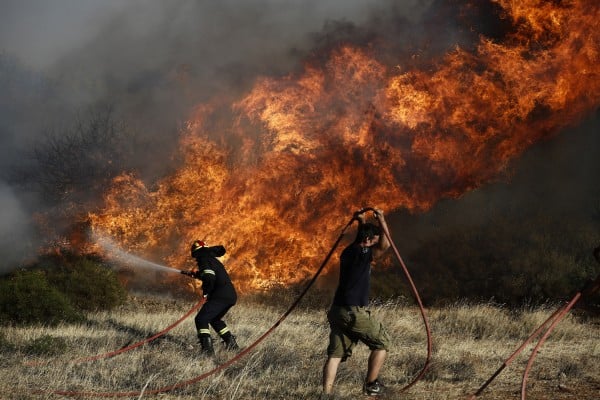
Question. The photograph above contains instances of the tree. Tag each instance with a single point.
(77, 164)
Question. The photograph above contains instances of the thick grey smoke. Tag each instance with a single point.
(15, 236)
(555, 179)
(153, 60)
(42, 33)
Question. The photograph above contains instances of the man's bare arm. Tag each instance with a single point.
(384, 243)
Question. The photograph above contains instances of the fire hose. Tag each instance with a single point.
(590, 288)
(268, 332)
(418, 300)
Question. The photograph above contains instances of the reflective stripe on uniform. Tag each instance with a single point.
(223, 331)
(208, 271)
(204, 331)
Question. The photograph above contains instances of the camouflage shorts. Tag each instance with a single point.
(351, 324)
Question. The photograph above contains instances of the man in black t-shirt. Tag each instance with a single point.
(349, 319)
(219, 293)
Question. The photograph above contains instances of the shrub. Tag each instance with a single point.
(58, 288)
(26, 298)
(88, 284)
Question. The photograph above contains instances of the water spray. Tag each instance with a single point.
(118, 254)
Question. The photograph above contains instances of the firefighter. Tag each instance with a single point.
(219, 293)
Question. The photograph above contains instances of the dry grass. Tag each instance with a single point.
(470, 343)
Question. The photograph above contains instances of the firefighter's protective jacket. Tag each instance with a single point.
(216, 284)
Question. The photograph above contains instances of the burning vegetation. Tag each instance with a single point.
(273, 175)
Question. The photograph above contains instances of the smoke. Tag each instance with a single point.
(150, 33)
(555, 179)
(155, 60)
(15, 235)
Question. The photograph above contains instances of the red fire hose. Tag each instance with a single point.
(510, 359)
(418, 300)
(553, 320)
(590, 289)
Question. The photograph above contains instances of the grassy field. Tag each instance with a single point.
(469, 344)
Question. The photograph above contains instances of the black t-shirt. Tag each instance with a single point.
(355, 276)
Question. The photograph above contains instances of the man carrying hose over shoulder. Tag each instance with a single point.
(219, 293)
(349, 319)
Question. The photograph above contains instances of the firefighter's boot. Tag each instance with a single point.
(230, 342)
(207, 345)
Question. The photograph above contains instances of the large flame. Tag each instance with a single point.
(275, 175)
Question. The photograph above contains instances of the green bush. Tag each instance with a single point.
(88, 284)
(58, 288)
(26, 298)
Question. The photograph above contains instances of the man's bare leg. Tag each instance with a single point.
(376, 359)
(329, 372)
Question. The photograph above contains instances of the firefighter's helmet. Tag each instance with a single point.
(197, 245)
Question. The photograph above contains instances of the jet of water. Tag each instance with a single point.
(114, 252)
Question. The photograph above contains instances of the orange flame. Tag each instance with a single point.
(306, 150)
